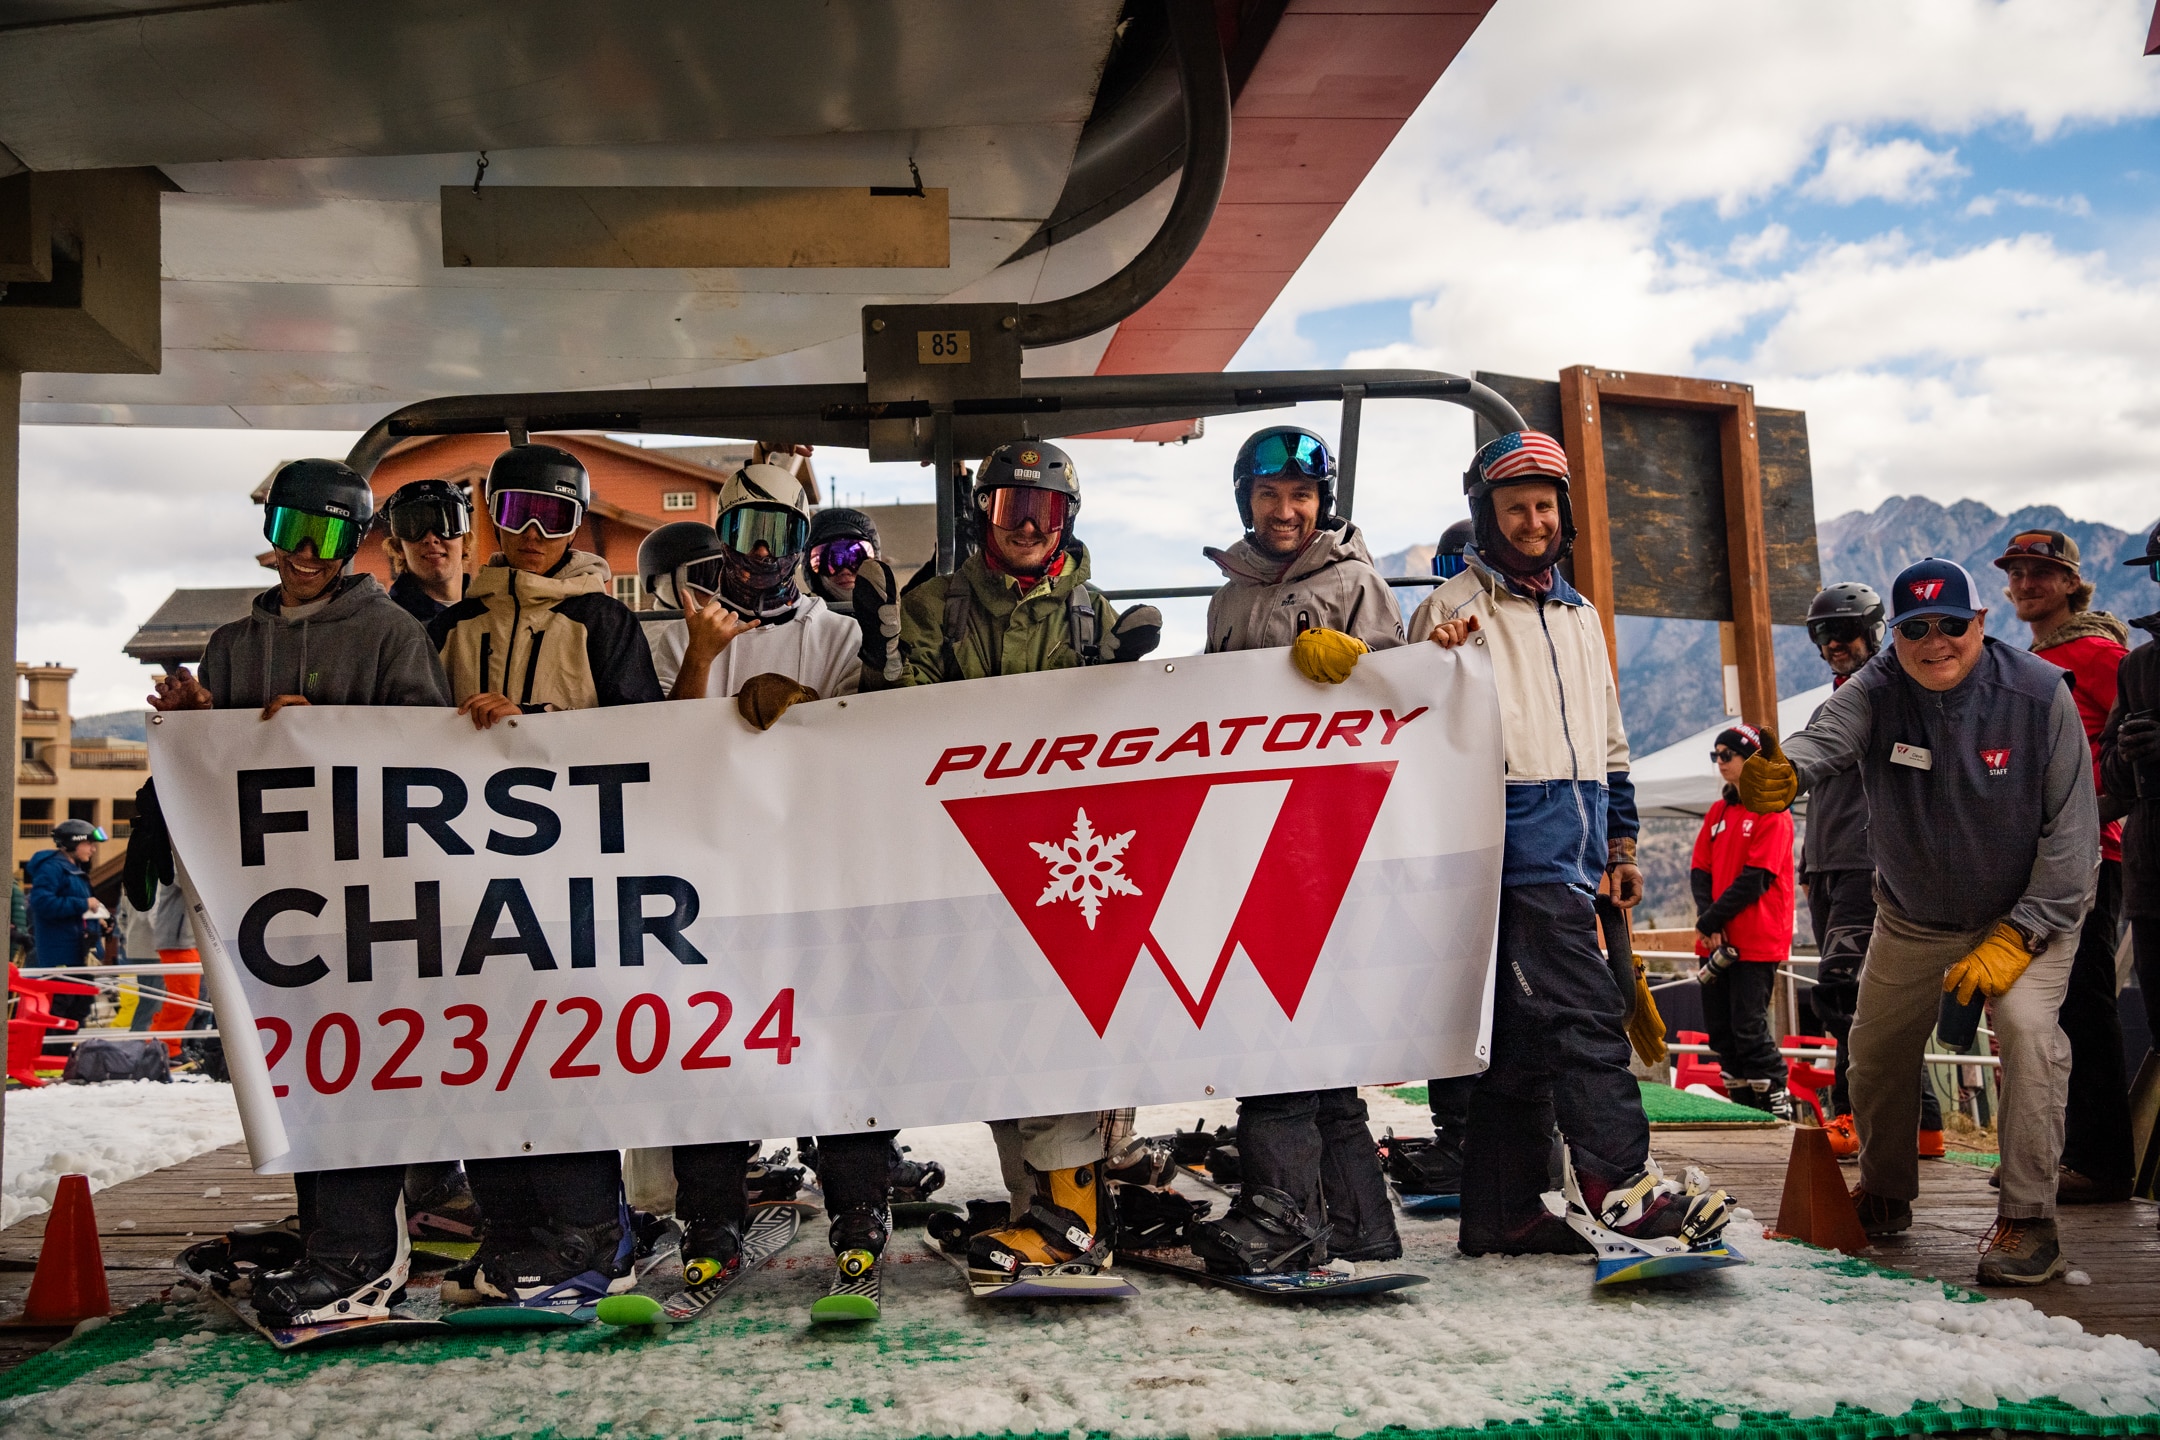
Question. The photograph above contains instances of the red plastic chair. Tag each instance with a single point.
(1805, 1079)
(33, 1017)
(1696, 1069)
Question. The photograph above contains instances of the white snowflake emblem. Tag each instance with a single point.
(1085, 867)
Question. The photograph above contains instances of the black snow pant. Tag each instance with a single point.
(1314, 1147)
(521, 1193)
(344, 1213)
(854, 1171)
(2145, 951)
(1450, 1101)
(1559, 1052)
(2096, 1123)
(1736, 1012)
(1841, 903)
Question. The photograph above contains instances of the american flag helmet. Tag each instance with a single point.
(1517, 455)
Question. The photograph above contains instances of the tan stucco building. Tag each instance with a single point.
(58, 777)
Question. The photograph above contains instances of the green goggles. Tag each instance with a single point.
(334, 537)
(780, 531)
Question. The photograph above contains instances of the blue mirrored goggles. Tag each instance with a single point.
(1303, 454)
(1447, 567)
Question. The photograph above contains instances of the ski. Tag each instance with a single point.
(1325, 1283)
(773, 1227)
(1074, 1285)
(856, 1293)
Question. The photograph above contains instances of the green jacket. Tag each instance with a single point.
(1006, 633)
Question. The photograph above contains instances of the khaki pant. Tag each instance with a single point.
(1044, 1142)
(1900, 995)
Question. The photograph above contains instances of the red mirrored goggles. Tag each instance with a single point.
(556, 515)
(1012, 506)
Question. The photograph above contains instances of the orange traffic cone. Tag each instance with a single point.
(69, 1285)
(1817, 1208)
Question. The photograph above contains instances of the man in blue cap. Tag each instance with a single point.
(1980, 796)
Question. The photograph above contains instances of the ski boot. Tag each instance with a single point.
(710, 1251)
(1844, 1139)
(953, 1232)
(244, 1253)
(1423, 1167)
(1156, 1219)
(1142, 1161)
(915, 1181)
(858, 1238)
(554, 1268)
(1542, 1234)
(1265, 1233)
(321, 1290)
(1064, 1232)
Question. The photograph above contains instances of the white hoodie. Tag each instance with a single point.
(817, 648)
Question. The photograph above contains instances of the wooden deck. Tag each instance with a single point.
(145, 1222)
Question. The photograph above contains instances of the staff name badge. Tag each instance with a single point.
(1916, 756)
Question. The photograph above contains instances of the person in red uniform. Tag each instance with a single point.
(2054, 599)
(1742, 876)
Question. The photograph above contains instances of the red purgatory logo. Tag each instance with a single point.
(1925, 589)
(1188, 869)
(1997, 761)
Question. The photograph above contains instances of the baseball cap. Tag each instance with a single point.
(1933, 586)
(2040, 545)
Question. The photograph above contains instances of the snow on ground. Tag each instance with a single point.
(110, 1132)
(1797, 1333)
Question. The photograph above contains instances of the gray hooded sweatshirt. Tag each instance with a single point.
(1330, 585)
(360, 648)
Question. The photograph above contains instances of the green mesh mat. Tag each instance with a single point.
(1987, 1161)
(1661, 1103)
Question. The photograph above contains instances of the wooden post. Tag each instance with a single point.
(1747, 558)
(1583, 436)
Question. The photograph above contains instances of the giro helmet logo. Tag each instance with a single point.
(1189, 871)
(1925, 589)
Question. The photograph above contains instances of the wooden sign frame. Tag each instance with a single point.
(1583, 390)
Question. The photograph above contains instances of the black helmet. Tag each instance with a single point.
(1283, 450)
(841, 523)
(2150, 560)
(323, 501)
(687, 552)
(1030, 465)
(1447, 560)
(427, 507)
(1848, 600)
(541, 469)
(69, 833)
(1519, 457)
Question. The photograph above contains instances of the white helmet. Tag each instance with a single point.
(764, 525)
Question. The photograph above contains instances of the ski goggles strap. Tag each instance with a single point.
(1302, 454)
(415, 520)
(779, 528)
(1012, 506)
(335, 537)
(515, 510)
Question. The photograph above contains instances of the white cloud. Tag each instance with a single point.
(1903, 171)
(1983, 205)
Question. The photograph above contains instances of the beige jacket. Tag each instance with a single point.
(1330, 584)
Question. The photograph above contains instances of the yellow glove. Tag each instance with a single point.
(763, 699)
(1326, 656)
(1645, 1027)
(1768, 783)
(1993, 966)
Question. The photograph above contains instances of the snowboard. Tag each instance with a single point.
(772, 1229)
(1093, 1285)
(400, 1324)
(1622, 1259)
(1325, 1283)
(1428, 1204)
(566, 1314)
(851, 1297)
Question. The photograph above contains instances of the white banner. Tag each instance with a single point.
(1043, 893)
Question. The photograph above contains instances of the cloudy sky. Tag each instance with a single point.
(1933, 225)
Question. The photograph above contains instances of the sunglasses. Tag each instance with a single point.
(1949, 625)
(335, 537)
(782, 531)
(2041, 546)
(516, 510)
(836, 556)
(1300, 453)
(1843, 630)
(1447, 567)
(415, 520)
(1012, 506)
(1721, 755)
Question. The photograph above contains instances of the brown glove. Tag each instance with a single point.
(763, 699)
(1645, 1027)
(1768, 783)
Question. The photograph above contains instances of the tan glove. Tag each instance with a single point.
(1645, 1027)
(763, 699)
(1326, 656)
(1993, 966)
(1768, 783)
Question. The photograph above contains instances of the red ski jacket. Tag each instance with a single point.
(2091, 648)
(1733, 842)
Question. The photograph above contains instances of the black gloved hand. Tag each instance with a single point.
(149, 861)
(1137, 632)
(2138, 738)
(877, 612)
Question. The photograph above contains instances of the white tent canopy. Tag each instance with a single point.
(1680, 780)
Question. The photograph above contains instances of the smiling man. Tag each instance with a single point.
(427, 521)
(1979, 778)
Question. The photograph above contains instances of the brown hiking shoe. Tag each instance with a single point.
(2074, 1188)
(2021, 1252)
(1880, 1215)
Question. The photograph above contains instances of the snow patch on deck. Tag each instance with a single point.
(110, 1132)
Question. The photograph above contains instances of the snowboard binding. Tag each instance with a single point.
(1264, 1233)
(1651, 1226)
(236, 1259)
(1156, 1219)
